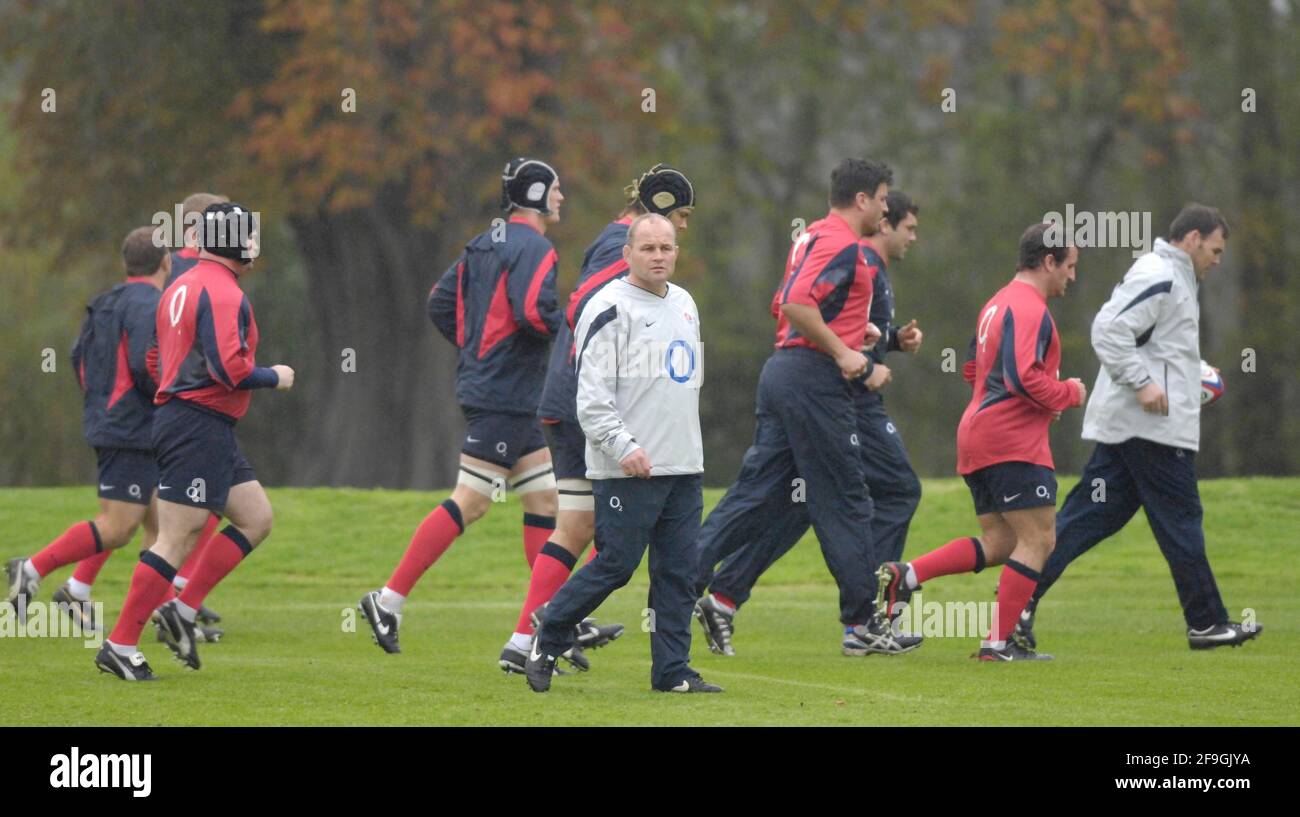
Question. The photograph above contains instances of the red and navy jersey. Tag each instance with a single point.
(826, 269)
(207, 342)
(601, 263)
(497, 303)
(109, 361)
(1016, 370)
(183, 260)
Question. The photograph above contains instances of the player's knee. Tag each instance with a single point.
(475, 499)
(542, 503)
(258, 525)
(577, 528)
(114, 533)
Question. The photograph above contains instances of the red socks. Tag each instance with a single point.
(192, 561)
(223, 554)
(150, 583)
(550, 571)
(964, 555)
(537, 531)
(88, 568)
(727, 600)
(430, 541)
(1015, 587)
(81, 541)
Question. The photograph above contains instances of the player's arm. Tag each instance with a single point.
(1134, 309)
(222, 327)
(601, 356)
(139, 325)
(531, 290)
(1025, 340)
(442, 303)
(78, 353)
(801, 299)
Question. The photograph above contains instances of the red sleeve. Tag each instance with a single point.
(817, 274)
(1031, 378)
(968, 368)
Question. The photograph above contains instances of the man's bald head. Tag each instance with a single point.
(648, 218)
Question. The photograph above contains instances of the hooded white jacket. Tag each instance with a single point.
(640, 367)
(1149, 331)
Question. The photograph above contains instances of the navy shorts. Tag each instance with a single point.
(501, 438)
(568, 449)
(1012, 486)
(199, 460)
(126, 474)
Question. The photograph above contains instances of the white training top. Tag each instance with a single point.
(1149, 331)
(640, 367)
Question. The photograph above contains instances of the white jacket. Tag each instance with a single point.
(640, 367)
(1149, 331)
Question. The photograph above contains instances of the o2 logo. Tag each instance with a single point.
(1042, 492)
(177, 307)
(671, 359)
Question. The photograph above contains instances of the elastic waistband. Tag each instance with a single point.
(188, 405)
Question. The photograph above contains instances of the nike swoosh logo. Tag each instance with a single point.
(533, 654)
(1009, 498)
(104, 487)
(472, 440)
(164, 487)
(381, 627)
(1223, 636)
(650, 324)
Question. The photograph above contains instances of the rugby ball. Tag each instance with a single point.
(1211, 384)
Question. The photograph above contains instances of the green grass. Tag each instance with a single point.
(1113, 622)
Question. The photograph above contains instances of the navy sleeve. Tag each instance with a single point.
(140, 326)
(78, 355)
(443, 304)
(260, 378)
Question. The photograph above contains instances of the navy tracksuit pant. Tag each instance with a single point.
(1162, 480)
(804, 460)
(664, 513)
(892, 488)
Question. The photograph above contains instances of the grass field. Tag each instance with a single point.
(1113, 622)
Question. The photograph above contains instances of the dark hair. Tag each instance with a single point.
(141, 254)
(1034, 248)
(900, 204)
(1198, 217)
(854, 176)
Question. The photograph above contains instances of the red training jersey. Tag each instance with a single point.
(207, 340)
(826, 269)
(1016, 371)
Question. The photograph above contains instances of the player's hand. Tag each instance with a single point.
(1153, 399)
(1083, 390)
(880, 375)
(1056, 415)
(636, 464)
(286, 377)
(852, 363)
(873, 335)
(909, 337)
